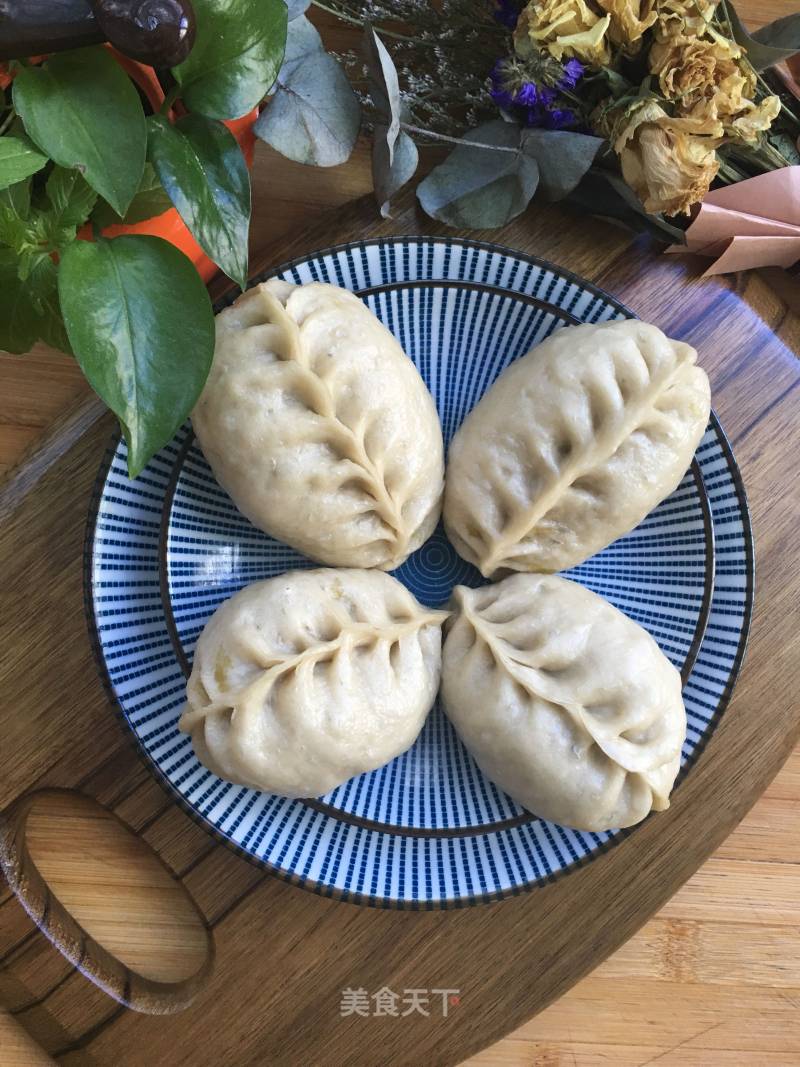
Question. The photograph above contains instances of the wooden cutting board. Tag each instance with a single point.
(282, 956)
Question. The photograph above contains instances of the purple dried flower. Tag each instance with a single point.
(546, 96)
(502, 97)
(532, 116)
(527, 95)
(573, 72)
(506, 12)
(559, 118)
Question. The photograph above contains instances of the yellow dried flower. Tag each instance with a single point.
(669, 162)
(756, 119)
(709, 79)
(565, 29)
(691, 67)
(629, 20)
(683, 17)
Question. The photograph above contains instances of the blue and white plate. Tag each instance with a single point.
(428, 829)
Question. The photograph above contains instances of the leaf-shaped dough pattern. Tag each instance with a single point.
(320, 427)
(302, 681)
(573, 445)
(566, 704)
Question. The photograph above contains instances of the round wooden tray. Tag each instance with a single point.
(282, 957)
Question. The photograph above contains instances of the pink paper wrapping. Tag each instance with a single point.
(754, 223)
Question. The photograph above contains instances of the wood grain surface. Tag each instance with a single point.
(282, 955)
(714, 977)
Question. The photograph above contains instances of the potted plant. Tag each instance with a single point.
(124, 184)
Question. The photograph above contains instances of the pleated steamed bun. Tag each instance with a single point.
(304, 680)
(565, 703)
(320, 427)
(572, 446)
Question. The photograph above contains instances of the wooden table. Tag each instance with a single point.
(713, 979)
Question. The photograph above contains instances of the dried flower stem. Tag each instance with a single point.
(768, 88)
(455, 140)
(378, 29)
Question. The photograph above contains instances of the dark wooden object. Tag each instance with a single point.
(283, 956)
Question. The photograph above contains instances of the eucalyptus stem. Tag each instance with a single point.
(455, 140)
(338, 14)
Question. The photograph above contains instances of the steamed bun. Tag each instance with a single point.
(572, 446)
(304, 680)
(320, 428)
(565, 703)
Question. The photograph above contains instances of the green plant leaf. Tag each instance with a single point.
(34, 231)
(29, 309)
(18, 161)
(481, 188)
(236, 56)
(19, 327)
(71, 201)
(204, 172)
(387, 177)
(81, 109)
(769, 45)
(314, 115)
(15, 207)
(141, 325)
(563, 157)
(149, 201)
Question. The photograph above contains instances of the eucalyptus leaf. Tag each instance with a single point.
(18, 161)
(296, 8)
(388, 179)
(201, 166)
(481, 188)
(149, 201)
(314, 115)
(83, 111)
(384, 87)
(236, 56)
(604, 193)
(783, 33)
(141, 325)
(563, 157)
(769, 45)
(387, 173)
